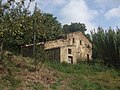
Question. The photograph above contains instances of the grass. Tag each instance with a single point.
(84, 76)
(58, 76)
(36, 86)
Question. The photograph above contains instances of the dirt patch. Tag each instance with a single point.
(45, 76)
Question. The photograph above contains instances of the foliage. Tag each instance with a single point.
(74, 27)
(82, 67)
(84, 76)
(51, 26)
(106, 45)
(9, 72)
(36, 86)
(18, 26)
(39, 58)
(13, 15)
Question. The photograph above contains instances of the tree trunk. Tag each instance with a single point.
(34, 44)
(1, 50)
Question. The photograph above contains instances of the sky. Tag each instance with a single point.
(93, 13)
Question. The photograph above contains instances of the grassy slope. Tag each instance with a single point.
(88, 77)
(54, 76)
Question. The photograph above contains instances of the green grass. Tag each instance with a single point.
(81, 76)
(36, 86)
(84, 76)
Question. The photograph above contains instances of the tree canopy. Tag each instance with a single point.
(18, 26)
(74, 27)
(106, 45)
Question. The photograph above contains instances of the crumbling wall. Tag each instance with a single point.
(27, 51)
(58, 49)
(64, 54)
(53, 54)
(55, 43)
(83, 45)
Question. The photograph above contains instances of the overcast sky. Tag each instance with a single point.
(93, 13)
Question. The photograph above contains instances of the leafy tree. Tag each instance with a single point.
(74, 27)
(11, 18)
(106, 45)
(52, 27)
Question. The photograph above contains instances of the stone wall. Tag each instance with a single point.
(27, 50)
(78, 36)
(81, 48)
(64, 54)
(53, 54)
(55, 43)
(83, 45)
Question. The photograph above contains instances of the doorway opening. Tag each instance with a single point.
(88, 57)
(70, 59)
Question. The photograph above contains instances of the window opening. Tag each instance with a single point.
(80, 42)
(69, 51)
(73, 40)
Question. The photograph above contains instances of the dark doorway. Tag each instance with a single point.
(70, 59)
(88, 58)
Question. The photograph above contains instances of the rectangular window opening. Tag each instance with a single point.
(73, 40)
(69, 51)
(80, 42)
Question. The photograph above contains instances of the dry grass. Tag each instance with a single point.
(54, 76)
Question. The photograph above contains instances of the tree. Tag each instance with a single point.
(18, 27)
(106, 45)
(12, 17)
(74, 27)
(52, 27)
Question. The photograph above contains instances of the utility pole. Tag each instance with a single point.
(34, 32)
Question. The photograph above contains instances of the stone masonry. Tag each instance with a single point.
(72, 49)
(76, 47)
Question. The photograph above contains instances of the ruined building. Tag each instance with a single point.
(72, 49)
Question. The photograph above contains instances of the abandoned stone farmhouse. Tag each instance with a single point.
(72, 49)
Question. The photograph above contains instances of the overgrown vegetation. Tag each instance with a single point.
(106, 45)
(18, 26)
(88, 76)
(56, 76)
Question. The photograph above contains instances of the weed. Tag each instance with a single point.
(36, 86)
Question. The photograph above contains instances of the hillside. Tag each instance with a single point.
(17, 73)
